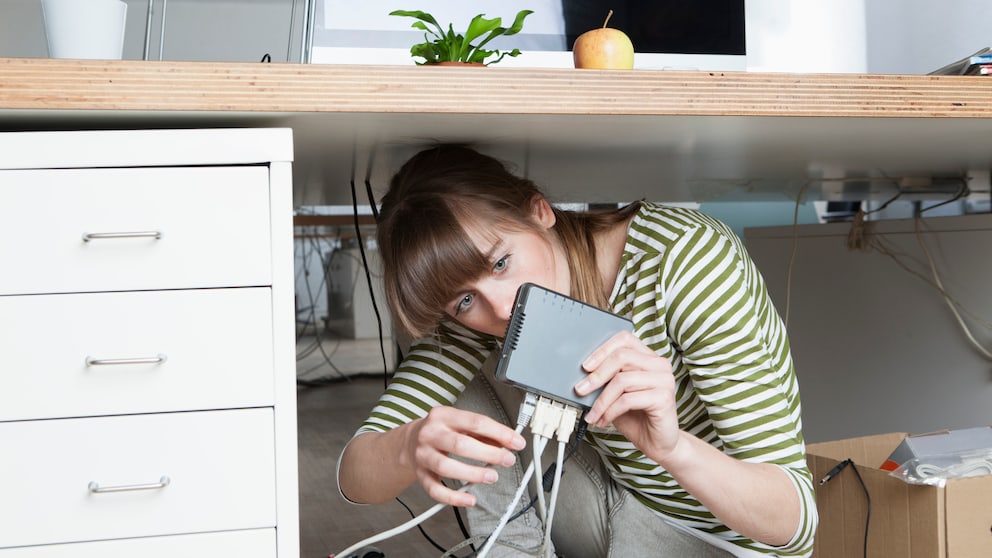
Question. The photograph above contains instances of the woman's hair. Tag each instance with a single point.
(427, 254)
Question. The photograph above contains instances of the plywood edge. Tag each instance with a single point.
(41, 83)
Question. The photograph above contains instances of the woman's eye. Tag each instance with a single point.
(500, 264)
(463, 304)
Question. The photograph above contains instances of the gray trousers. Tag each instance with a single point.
(594, 516)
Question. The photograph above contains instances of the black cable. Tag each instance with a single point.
(864, 487)
(886, 204)
(463, 528)
(962, 192)
(369, 194)
(833, 473)
(368, 280)
(421, 528)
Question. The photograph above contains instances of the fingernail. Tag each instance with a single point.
(491, 477)
(582, 387)
(508, 459)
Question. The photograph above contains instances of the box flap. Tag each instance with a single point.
(969, 516)
(870, 451)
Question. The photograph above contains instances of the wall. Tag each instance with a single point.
(205, 30)
(919, 36)
(806, 35)
(864, 36)
(876, 348)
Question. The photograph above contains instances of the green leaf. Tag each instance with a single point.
(427, 51)
(476, 28)
(447, 45)
(479, 55)
(422, 16)
(513, 53)
(518, 24)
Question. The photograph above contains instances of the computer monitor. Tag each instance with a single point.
(667, 34)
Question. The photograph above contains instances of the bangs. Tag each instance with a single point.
(434, 258)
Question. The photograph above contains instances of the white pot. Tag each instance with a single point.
(85, 28)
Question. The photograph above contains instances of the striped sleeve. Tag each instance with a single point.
(434, 372)
(736, 351)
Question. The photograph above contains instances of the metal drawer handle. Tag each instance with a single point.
(95, 487)
(90, 361)
(138, 234)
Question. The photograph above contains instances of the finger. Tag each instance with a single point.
(628, 401)
(619, 340)
(653, 386)
(440, 493)
(479, 427)
(623, 358)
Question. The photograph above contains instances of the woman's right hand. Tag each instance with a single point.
(434, 441)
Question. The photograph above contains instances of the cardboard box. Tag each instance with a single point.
(907, 520)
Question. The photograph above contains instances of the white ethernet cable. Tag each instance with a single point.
(395, 530)
(527, 407)
(569, 416)
(538, 446)
(549, 417)
(491, 541)
(545, 421)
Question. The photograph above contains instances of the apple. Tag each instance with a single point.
(605, 48)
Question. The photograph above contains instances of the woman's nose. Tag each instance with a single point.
(501, 301)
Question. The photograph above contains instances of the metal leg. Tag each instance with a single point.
(292, 32)
(161, 32)
(148, 29)
(306, 46)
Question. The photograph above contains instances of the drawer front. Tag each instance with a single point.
(64, 478)
(135, 352)
(257, 543)
(194, 227)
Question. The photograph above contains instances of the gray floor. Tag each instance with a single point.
(329, 413)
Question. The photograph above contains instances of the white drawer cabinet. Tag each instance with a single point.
(133, 352)
(147, 396)
(135, 228)
(259, 543)
(186, 473)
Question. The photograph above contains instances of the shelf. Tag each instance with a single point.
(594, 135)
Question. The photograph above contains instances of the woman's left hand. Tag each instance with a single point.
(638, 396)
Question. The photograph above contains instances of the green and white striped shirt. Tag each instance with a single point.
(697, 299)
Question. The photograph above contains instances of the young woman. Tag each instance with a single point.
(695, 444)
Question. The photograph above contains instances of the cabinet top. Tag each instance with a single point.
(124, 85)
(589, 135)
(134, 148)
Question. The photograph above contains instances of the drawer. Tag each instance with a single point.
(257, 543)
(197, 227)
(64, 478)
(181, 350)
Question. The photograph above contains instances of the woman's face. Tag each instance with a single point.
(515, 257)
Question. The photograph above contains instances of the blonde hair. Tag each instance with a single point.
(427, 254)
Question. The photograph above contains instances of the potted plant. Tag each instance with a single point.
(442, 46)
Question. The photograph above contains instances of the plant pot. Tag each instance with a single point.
(461, 64)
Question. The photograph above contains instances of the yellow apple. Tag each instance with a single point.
(605, 48)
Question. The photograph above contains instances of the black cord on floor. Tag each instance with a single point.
(421, 528)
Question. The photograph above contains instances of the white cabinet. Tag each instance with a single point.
(147, 396)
